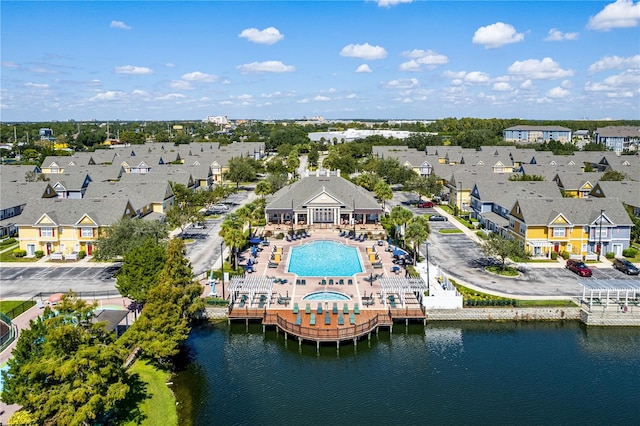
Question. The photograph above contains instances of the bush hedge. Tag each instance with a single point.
(39, 254)
(629, 252)
(19, 253)
(610, 255)
(8, 242)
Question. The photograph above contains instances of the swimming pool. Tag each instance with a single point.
(324, 259)
(326, 295)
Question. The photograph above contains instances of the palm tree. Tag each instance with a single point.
(417, 232)
(383, 191)
(231, 231)
(400, 216)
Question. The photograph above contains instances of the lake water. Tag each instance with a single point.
(446, 373)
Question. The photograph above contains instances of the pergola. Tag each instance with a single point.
(251, 286)
(628, 289)
(402, 287)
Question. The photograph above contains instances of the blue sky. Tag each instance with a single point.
(142, 60)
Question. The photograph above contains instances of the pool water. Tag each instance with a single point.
(324, 259)
(326, 295)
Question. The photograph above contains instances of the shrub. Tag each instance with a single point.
(39, 254)
(629, 252)
(565, 255)
(554, 255)
(19, 253)
(610, 255)
(8, 242)
(82, 254)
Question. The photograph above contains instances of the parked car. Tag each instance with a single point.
(425, 204)
(578, 267)
(218, 208)
(437, 218)
(623, 265)
(200, 225)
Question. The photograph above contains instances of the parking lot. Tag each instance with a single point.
(460, 258)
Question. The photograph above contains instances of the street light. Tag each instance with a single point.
(460, 206)
(426, 246)
(222, 263)
(600, 235)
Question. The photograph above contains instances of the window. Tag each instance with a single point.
(600, 233)
(46, 232)
(86, 232)
(559, 232)
(523, 229)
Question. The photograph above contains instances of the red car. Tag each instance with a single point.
(578, 267)
(425, 204)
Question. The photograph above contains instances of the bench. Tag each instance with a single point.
(312, 319)
(295, 308)
(352, 319)
(356, 309)
(340, 320)
(298, 320)
(307, 310)
(327, 318)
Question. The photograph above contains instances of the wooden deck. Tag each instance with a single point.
(327, 327)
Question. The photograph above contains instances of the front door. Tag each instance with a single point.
(31, 250)
(89, 249)
(556, 247)
(48, 249)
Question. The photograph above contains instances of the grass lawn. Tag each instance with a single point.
(507, 272)
(8, 256)
(6, 306)
(160, 407)
(450, 231)
(468, 293)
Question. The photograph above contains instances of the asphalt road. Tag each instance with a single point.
(460, 258)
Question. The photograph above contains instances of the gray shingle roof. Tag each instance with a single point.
(104, 212)
(578, 211)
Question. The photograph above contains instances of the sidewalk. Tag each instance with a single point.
(44, 262)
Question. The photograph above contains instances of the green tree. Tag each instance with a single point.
(132, 137)
(424, 186)
(313, 155)
(613, 175)
(417, 231)
(368, 181)
(263, 188)
(141, 268)
(400, 216)
(181, 216)
(497, 246)
(241, 170)
(231, 231)
(65, 368)
(383, 192)
(127, 234)
(525, 178)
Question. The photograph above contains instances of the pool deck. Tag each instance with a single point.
(366, 310)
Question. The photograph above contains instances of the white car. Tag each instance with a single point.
(218, 208)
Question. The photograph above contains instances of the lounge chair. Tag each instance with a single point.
(298, 319)
(283, 281)
(312, 320)
(377, 265)
(356, 309)
(263, 300)
(319, 308)
(345, 308)
(350, 281)
(392, 301)
(335, 308)
(330, 281)
(327, 318)
(307, 310)
(272, 265)
(323, 282)
(297, 282)
(340, 320)
(295, 308)
(352, 319)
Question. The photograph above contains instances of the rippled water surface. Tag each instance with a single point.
(445, 373)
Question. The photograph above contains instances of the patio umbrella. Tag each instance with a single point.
(55, 298)
(397, 251)
(255, 240)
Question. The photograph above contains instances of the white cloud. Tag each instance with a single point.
(170, 65)
(269, 35)
(477, 77)
(278, 94)
(407, 83)
(245, 97)
(454, 74)
(621, 14)
(9, 64)
(130, 69)
(363, 51)
(37, 85)
(170, 97)
(119, 25)
(411, 65)
(558, 93)
(332, 90)
(567, 84)
(615, 62)
(557, 35)
(428, 58)
(497, 35)
(181, 85)
(363, 68)
(389, 3)
(320, 98)
(140, 93)
(200, 77)
(502, 86)
(108, 96)
(527, 84)
(351, 96)
(539, 70)
(625, 81)
(266, 66)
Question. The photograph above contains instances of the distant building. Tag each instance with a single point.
(221, 120)
(350, 135)
(46, 134)
(536, 134)
(619, 138)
